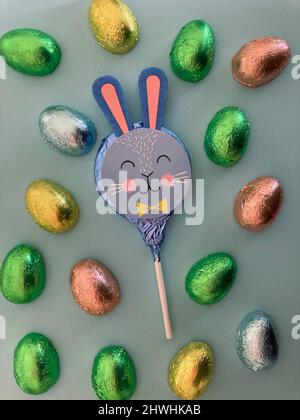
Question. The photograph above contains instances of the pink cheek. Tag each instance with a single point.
(130, 185)
(167, 179)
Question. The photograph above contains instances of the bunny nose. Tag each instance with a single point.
(147, 176)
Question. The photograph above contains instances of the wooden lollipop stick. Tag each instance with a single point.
(163, 298)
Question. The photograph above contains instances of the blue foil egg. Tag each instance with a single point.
(67, 130)
(256, 341)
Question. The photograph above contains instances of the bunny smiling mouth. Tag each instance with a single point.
(148, 184)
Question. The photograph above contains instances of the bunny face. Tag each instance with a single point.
(142, 170)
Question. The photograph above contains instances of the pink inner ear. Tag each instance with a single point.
(153, 89)
(109, 93)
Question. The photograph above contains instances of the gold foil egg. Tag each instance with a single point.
(260, 61)
(94, 287)
(191, 370)
(258, 203)
(114, 25)
(51, 206)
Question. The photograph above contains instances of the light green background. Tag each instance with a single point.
(268, 262)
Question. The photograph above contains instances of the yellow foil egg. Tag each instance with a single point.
(114, 25)
(191, 370)
(51, 206)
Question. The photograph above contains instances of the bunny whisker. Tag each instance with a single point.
(118, 191)
(179, 173)
(116, 188)
(177, 181)
(115, 185)
(180, 177)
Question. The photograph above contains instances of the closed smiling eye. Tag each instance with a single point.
(127, 162)
(162, 157)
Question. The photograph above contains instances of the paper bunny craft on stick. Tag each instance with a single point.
(142, 169)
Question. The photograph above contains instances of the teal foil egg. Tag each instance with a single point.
(30, 51)
(36, 364)
(227, 136)
(67, 130)
(22, 275)
(113, 374)
(211, 278)
(256, 341)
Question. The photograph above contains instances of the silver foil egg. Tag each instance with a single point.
(256, 341)
(67, 130)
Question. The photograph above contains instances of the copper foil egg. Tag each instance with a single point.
(94, 287)
(260, 61)
(258, 203)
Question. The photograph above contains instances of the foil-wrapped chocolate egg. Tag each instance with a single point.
(211, 278)
(227, 136)
(260, 61)
(113, 374)
(114, 25)
(256, 341)
(51, 206)
(36, 364)
(193, 51)
(30, 51)
(94, 287)
(22, 275)
(67, 130)
(258, 202)
(191, 370)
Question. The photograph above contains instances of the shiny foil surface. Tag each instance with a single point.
(258, 202)
(190, 371)
(211, 278)
(30, 51)
(113, 374)
(256, 341)
(193, 51)
(36, 364)
(51, 206)
(260, 61)
(67, 130)
(94, 287)
(114, 25)
(227, 136)
(22, 275)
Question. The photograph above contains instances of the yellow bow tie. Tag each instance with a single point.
(160, 207)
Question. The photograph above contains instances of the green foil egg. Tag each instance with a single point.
(30, 51)
(113, 374)
(193, 51)
(22, 275)
(36, 364)
(227, 136)
(211, 278)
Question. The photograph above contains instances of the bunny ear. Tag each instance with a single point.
(109, 96)
(153, 86)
